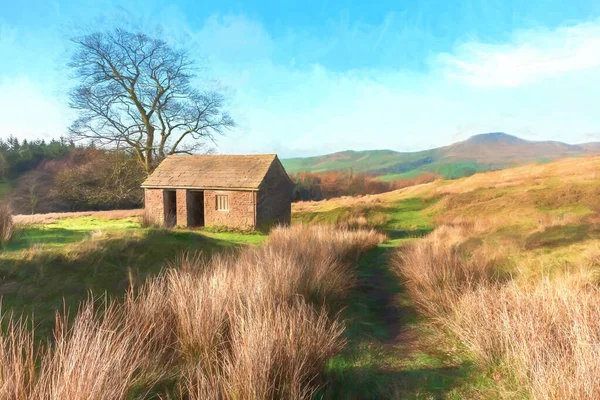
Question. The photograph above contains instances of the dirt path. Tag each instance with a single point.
(392, 352)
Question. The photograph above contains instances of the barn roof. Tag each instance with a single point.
(211, 171)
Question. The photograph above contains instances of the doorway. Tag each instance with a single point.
(170, 203)
(195, 208)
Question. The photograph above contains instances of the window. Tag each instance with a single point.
(222, 202)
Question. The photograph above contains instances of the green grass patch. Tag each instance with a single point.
(61, 262)
(559, 236)
(396, 177)
(456, 170)
(400, 220)
(333, 216)
(412, 214)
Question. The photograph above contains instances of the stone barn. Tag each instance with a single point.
(238, 191)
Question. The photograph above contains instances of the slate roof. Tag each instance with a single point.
(211, 171)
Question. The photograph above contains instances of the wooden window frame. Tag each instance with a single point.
(222, 202)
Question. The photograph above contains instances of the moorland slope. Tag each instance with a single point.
(489, 151)
(498, 293)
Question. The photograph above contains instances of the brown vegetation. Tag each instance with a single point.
(49, 217)
(541, 336)
(256, 324)
(439, 272)
(108, 180)
(7, 225)
(326, 185)
(84, 179)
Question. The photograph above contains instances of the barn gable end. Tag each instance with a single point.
(274, 201)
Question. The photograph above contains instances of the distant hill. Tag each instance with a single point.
(484, 152)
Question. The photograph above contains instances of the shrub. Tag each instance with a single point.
(148, 221)
(438, 272)
(7, 226)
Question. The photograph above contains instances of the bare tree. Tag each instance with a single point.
(30, 189)
(110, 180)
(136, 91)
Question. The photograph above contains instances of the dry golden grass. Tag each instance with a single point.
(529, 196)
(260, 323)
(540, 333)
(49, 217)
(99, 357)
(512, 269)
(547, 336)
(568, 170)
(17, 361)
(438, 272)
(7, 225)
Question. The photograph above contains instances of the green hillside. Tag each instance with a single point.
(490, 151)
(361, 161)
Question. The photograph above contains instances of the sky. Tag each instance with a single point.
(313, 77)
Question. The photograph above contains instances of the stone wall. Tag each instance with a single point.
(181, 195)
(154, 205)
(241, 209)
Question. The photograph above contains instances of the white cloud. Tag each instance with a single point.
(532, 55)
(542, 84)
(309, 109)
(27, 113)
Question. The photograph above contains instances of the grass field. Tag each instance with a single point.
(502, 239)
(527, 224)
(64, 260)
(226, 319)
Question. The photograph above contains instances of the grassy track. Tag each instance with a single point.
(392, 351)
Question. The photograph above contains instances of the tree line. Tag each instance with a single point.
(18, 157)
(40, 176)
(325, 185)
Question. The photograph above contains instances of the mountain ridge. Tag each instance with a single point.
(481, 152)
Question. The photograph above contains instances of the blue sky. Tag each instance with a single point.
(312, 77)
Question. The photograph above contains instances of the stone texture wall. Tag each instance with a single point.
(274, 204)
(241, 209)
(154, 205)
(181, 195)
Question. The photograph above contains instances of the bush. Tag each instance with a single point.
(7, 225)
(438, 272)
(147, 220)
(109, 180)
